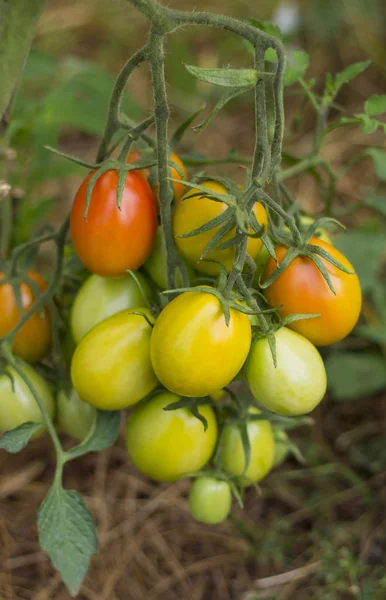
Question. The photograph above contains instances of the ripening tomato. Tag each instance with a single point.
(178, 188)
(111, 241)
(193, 351)
(192, 213)
(167, 444)
(210, 500)
(301, 289)
(33, 340)
(156, 264)
(18, 405)
(297, 384)
(262, 447)
(101, 297)
(321, 233)
(73, 416)
(111, 367)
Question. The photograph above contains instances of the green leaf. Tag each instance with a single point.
(379, 161)
(375, 105)
(377, 203)
(297, 67)
(15, 440)
(270, 55)
(103, 435)
(267, 27)
(227, 97)
(68, 534)
(181, 130)
(226, 77)
(352, 375)
(367, 124)
(349, 74)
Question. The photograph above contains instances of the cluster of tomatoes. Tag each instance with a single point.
(172, 363)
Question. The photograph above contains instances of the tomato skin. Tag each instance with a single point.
(210, 500)
(73, 416)
(321, 233)
(299, 381)
(191, 213)
(111, 241)
(134, 156)
(165, 445)
(101, 297)
(19, 406)
(156, 264)
(302, 289)
(111, 367)
(262, 450)
(33, 340)
(178, 188)
(193, 351)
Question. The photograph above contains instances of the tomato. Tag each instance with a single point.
(297, 384)
(193, 351)
(73, 416)
(281, 445)
(178, 188)
(191, 213)
(19, 406)
(262, 446)
(261, 261)
(33, 340)
(111, 241)
(320, 233)
(101, 297)
(301, 289)
(167, 444)
(156, 264)
(111, 367)
(210, 500)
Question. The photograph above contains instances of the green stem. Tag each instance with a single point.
(303, 165)
(5, 225)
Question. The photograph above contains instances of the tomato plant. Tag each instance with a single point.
(101, 297)
(176, 170)
(33, 340)
(167, 444)
(210, 500)
(262, 450)
(296, 384)
(194, 211)
(193, 351)
(302, 289)
(73, 416)
(111, 366)
(110, 240)
(156, 264)
(18, 404)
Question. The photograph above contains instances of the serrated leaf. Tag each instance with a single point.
(103, 435)
(297, 67)
(225, 77)
(15, 440)
(227, 97)
(375, 105)
(67, 532)
(350, 73)
(379, 161)
(352, 375)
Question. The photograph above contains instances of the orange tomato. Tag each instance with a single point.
(111, 241)
(133, 156)
(33, 340)
(301, 289)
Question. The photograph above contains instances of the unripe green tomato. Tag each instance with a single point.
(210, 500)
(19, 406)
(168, 444)
(281, 446)
(156, 266)
(102, 297)
(262, 450)
(74, 417)
(260, 260)
(298, 382)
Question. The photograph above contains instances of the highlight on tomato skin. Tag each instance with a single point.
(302, 289)
(110, 241)
(33, 340)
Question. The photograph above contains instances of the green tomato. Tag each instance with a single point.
(167, 444)
(101, 297)
(281, 445)
(19, 406)
(74, 416)
(261, 261)
(297, 384)
(156, 266)
(210, 500)
(262, 446)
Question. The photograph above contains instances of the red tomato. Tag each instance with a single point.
(301, 289)
(111, 241)
(33, 340)
(133, 156)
